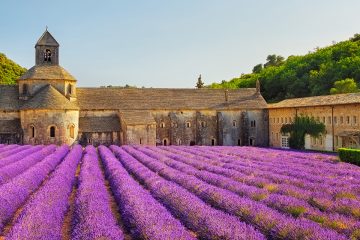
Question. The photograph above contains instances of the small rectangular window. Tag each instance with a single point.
(335, 120)
(354, 120)
(341, 120)
(347, 120)
(329, 120)
(234, 123)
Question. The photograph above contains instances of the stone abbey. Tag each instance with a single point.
(47, 107)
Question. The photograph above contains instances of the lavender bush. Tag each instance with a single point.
(204, 220)
(146, 217)
(9, 171)
(14, 193)
(93, 216)
(18, 154)
(42, 217)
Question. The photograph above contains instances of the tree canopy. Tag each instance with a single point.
(199, 83)
(9, 70)
(312, 74)
(344, 86)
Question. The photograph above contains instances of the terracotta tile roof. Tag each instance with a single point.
(137, 117)
(47, 72)
(9, 97)
(49, 98)
(166, 99)
(99, 124)
(10, 126)
(337, 99)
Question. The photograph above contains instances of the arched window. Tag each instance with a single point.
(52, 131)
(162, 125)
(253, 123)
(187, 124)
(203, 124)
(72, 131)
(234, 123)
(165, 142)
(213, 142)
(25, 89)
(32, 131)
(178, 141)
(47, 55)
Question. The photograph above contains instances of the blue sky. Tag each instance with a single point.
(162, 43)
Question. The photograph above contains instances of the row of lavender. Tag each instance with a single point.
(176, 193)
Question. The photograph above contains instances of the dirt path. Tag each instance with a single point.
(66, 228)
(114, 207)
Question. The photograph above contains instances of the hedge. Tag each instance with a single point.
(350, 155)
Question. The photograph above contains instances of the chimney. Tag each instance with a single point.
(226, 95)
(257, 86)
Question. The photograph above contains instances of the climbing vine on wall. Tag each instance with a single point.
(301, 126)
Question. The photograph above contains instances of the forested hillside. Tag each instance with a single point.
(9, 70)
(310, 75)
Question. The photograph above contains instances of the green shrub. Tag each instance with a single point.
(350, 155)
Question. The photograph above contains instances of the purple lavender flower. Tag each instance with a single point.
(93, 216)
(14, 193)
(207, 222)
(43, 216)
(9, 171)
(146, 218)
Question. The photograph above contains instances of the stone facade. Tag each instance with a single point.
(36, 126)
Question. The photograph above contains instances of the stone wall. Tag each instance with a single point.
(139, 134)
(43, 120)
(207, 128)
(9, 115)
(230, 123)
(99, 138)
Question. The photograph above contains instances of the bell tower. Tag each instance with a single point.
(47, 50)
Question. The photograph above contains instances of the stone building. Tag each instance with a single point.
(47, 107)
(340, 114)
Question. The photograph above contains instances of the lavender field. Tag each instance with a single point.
(177, 192)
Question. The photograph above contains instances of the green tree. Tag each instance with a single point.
(301, 126)
(9, 70)
(257, 68)
(274, 60)
(347, 85)
(199, 83)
